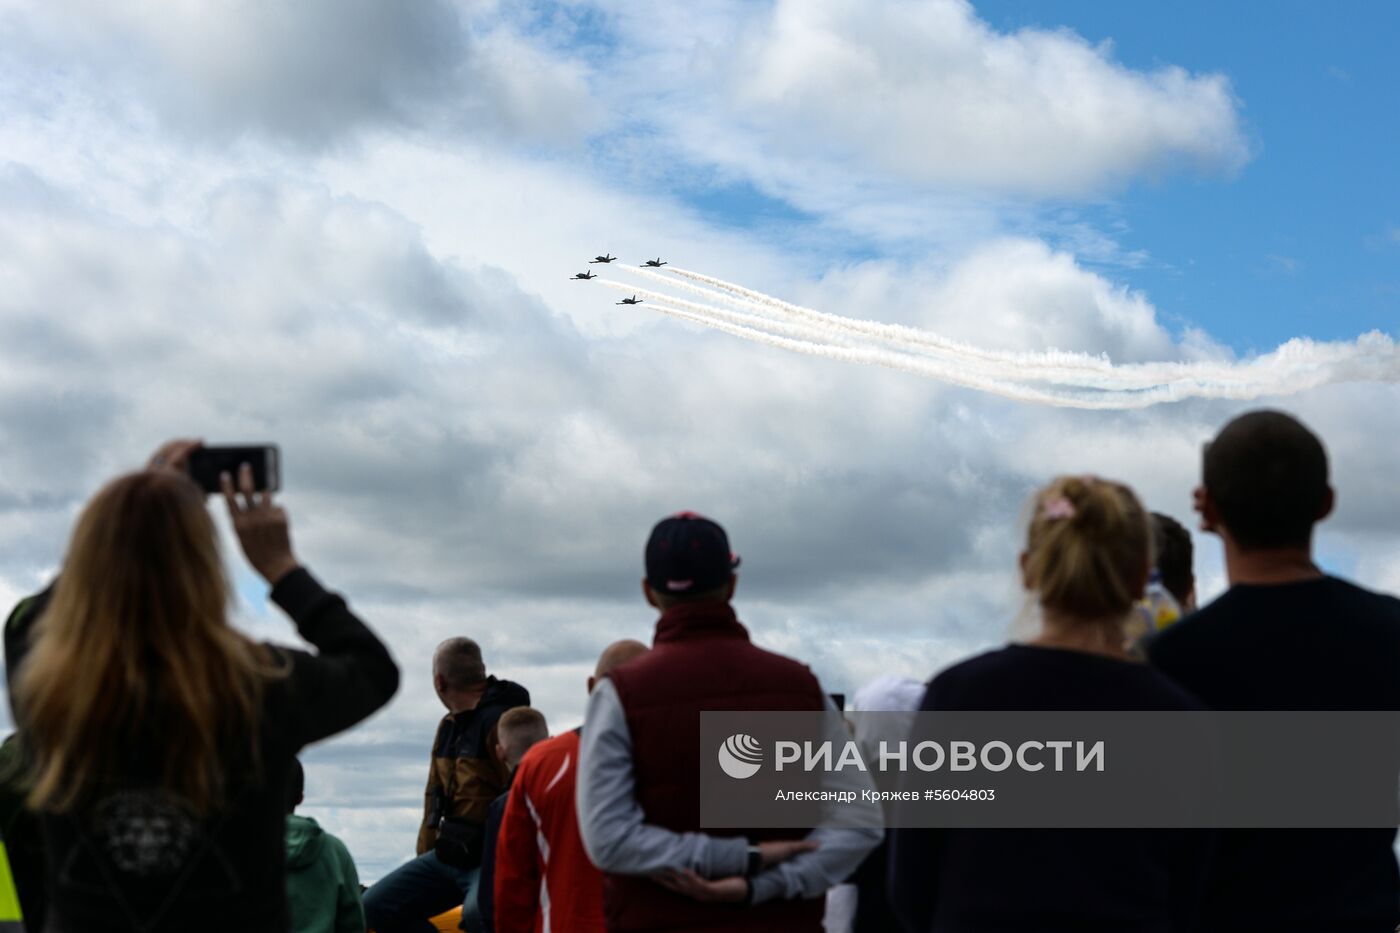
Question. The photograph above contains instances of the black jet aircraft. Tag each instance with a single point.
(584, 275)
(606, 257)
(654, 263)
(634, 300)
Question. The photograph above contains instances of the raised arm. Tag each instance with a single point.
(352, 674)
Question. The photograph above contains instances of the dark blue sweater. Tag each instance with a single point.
(1320, 644)
(1046, 880)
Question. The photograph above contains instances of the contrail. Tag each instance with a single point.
(907, 339)
(1295, 366)
(1054, 365)
(999, 372)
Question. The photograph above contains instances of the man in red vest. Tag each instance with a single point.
(639, 763)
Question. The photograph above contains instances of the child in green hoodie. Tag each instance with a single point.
(323, 889)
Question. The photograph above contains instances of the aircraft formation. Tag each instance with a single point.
(605, 258)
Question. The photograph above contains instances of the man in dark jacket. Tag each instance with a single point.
(1286, 636)
(464, 776)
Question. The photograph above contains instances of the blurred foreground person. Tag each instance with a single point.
(464, 776)
(323, 888)
(161, 737)
(1087, 559)
(1286, 636)
(544, 880)
(20, 837)
(639, 762)
(520, 729)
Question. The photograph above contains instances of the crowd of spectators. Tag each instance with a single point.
(153, 781)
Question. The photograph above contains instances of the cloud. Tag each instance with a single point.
(462, 459)
(317, 73)
(904, 129)
(931, 94)
(1011, 293)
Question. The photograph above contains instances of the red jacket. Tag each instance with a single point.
(701, 659)
(544, 880)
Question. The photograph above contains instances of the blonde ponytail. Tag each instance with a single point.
(1088, 548)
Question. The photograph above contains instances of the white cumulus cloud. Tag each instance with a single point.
(930, 93)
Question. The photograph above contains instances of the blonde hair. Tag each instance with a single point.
(134, 645)
(1088, 548)
(518, 729)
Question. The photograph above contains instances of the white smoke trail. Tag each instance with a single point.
(815, 333)
(1295, 366)
(1261, 375)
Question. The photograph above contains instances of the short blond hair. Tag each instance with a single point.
(518, 729)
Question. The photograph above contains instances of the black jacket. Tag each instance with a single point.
(138, 860)
(465, 775)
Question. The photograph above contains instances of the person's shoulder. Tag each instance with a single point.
(556, 746)
(1160, 692)
(995, 659)
(547, 754)
(780, 660)
(505, 694)
(1183, 635)
(948, 684)
(336, 848)
(1382, 605)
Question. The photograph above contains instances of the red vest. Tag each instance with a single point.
(701, 660)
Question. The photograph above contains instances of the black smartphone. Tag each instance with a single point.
(207, 463)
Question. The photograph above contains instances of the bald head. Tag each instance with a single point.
(614, 656)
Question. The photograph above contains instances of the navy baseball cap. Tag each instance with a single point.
(688, 553)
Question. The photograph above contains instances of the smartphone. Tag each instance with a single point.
(207, 463)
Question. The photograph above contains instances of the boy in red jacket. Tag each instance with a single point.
(544, 879)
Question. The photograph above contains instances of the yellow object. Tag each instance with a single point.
(9, 897)
(448, 922)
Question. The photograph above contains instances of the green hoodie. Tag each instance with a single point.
(323, 890)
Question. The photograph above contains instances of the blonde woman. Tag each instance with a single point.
(1087, 560)
(160, 738)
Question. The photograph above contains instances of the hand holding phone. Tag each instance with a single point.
(261, 525)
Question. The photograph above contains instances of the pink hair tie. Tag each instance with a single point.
(1057, 508)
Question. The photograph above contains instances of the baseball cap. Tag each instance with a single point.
(688, 553)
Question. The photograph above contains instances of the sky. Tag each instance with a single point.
(347, 227)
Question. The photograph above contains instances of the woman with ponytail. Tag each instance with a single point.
(1086, 563)
(159, 737)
